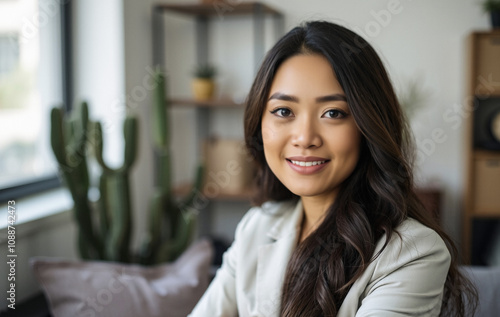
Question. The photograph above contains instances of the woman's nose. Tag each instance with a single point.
(306, 134)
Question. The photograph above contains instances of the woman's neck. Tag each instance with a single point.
(314, 209)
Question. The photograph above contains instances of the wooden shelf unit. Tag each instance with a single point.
(482, 182)
(203, 13)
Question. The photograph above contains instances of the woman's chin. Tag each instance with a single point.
(307, 192)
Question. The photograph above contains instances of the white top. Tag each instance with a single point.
(406, 279)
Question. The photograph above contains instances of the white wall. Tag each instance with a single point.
(98, 68)
(52, 236)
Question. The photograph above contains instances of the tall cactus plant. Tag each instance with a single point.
(115, 194)
(171, 224)
(68, 137)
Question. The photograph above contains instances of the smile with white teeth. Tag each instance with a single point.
(302, 163)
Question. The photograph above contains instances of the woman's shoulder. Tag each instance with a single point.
(412, 232)
(268, 215)
(407, 276)
(413, 241)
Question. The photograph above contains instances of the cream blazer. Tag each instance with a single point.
(406, 279)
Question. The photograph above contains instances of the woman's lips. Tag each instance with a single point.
(307, 164)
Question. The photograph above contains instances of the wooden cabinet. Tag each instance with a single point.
(481, 105)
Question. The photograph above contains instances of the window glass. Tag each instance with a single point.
(30, 85)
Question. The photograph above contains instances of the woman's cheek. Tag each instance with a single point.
(270, 130)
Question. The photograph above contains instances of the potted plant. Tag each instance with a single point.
(412, 97)
(493, 7)
(105, 227)
(203, 84)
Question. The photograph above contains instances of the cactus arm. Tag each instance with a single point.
(153, 238)
(78, 146)
(70, 154)
(89, 244)
(117, 192)
(160, 119)
(104, 218)
(174, 247)
(115, 231)
(98, 148)
(161, 133)
(164, 172)
(196, 189)
(57, 135)
(130, 129)
(79, 129)
(82, 145)
(84, 116)
(117, 245)
(59, 147)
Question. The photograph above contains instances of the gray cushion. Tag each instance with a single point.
(487, 281)
(94, 288)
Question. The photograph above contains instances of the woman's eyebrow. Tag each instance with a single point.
(334, 97)
(284, 97)
(327, 98)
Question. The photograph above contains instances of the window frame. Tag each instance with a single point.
(38, 185)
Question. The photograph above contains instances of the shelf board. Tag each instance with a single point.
(245, 195)
(487, 32)
(486, 154)
(494, 94)
(214, 103)
(217, 8)
(490, 213)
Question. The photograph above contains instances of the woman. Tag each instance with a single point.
(339, 230)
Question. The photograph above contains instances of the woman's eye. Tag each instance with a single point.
(335, 114)
(282, 112)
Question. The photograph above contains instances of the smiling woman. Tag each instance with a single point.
(311, 141)
(338, 229)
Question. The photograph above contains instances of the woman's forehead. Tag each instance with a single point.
(306, 75)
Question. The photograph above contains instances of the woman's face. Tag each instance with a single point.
(311, 141)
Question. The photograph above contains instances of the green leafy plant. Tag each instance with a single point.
(491, 5)
(412, 97)
(205, 71)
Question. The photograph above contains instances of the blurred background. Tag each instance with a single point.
(59, 53)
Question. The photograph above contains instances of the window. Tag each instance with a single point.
(9, 53)
(32, 67)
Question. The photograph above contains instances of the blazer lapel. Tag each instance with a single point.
(273, 259)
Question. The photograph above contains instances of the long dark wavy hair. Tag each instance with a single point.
(377, 197)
